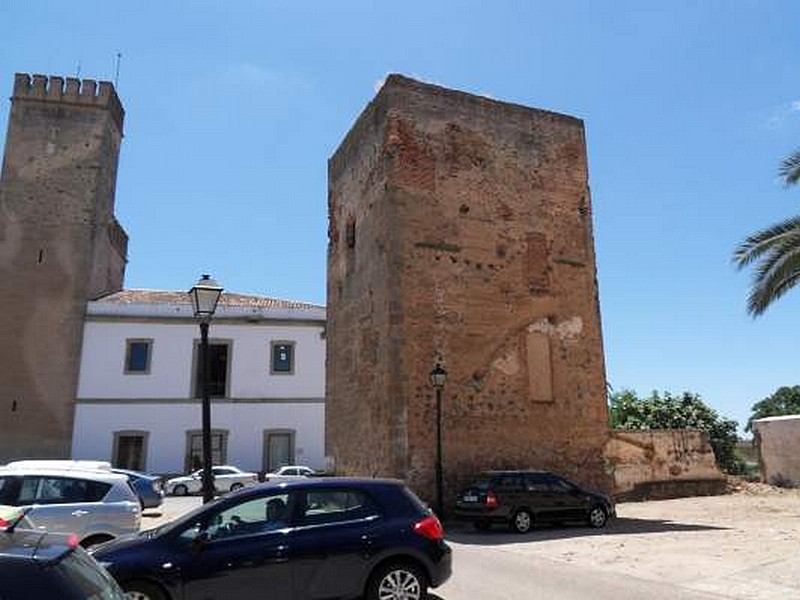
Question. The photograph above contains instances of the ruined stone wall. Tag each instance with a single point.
(778, 441)
(59, 246)
(473, 246)
(659, 463)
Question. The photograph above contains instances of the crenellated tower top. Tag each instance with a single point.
(70, 90)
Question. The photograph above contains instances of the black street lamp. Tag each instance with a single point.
(205, 295)
(438, 379)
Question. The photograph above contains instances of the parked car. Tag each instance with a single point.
(289, 472)
(522, 498)
(301, 540)
(94, 505)
(226, 479)
(148, 487)
(35, 564)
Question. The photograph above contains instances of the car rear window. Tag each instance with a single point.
(85, 574)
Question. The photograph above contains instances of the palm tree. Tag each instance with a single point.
(774, 250)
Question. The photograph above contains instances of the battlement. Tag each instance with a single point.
(79, 92)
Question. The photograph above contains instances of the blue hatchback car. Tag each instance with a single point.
(299, 540)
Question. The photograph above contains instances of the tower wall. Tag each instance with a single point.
(60, 246)
(461, 233)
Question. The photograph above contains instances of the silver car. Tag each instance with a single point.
(96, 506)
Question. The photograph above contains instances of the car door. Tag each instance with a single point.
(62, 504)
(542, 498)
(333, 541)
(236, 553)
(573, 503)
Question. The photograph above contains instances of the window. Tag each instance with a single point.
(278, 449)
(334, 506)
(219, 359)
(282, 358)
(251, 517)
(61, 490)
(130, 450)
(137, 356)
(194, 448)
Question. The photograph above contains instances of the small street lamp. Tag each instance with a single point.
(438, 379)
(205, 295)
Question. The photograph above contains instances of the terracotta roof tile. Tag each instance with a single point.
(227, 299)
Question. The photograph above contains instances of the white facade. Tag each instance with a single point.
(158, 404)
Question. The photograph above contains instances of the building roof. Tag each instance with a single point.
(227, 299)
(174, 304)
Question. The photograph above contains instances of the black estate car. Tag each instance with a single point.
(298, 540)
(522, 498)
(35, 565)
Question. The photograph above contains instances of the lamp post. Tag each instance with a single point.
(438, 379)
(205, 295)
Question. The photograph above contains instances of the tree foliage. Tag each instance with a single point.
(774, 251)
(785, 401)
(684, 411)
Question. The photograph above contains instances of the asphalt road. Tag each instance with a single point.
(736, 547)
(505, 573)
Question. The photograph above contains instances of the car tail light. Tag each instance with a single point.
(430, 528)
(73, 541)
(491, 500)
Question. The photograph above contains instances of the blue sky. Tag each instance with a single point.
(233, 108)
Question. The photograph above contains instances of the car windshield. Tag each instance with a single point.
(93, 582)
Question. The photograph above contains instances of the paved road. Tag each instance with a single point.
(735, 547)
(501, 573)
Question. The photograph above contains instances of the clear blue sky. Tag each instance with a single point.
(233, 108)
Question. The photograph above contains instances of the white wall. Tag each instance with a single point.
(103, 360)
(95, 425)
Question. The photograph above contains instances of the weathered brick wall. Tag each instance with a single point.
(659, 463)
(778, 441)
(59, 246)
(460, 232)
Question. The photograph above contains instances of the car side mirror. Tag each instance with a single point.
(199, 541)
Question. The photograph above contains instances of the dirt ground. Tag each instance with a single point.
(741, 545)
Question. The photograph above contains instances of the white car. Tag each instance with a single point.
(226, 479)
(290, 472)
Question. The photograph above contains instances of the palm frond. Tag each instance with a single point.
(776, 275)
(756, 245)
(790, 168)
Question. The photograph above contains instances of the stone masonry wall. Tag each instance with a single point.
(778, 441)
(60, 245)
(660, 463)
(460, 233)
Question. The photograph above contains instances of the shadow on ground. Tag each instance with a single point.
(464, 533)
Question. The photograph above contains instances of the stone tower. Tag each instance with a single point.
(460, 232)
(60, 246)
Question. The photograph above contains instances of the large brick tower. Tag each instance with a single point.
(460, 232)
(60, 246)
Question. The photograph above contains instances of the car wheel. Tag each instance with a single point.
(398, 581)
(236, 486)
(481, 525)
(143, 590)
(598, 517)
(522, 521)
(180, 490)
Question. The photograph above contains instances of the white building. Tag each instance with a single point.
(138, 399)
